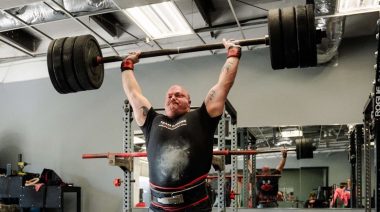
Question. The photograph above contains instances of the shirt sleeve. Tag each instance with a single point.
(147, 126)
(205, 116)
(208, 122)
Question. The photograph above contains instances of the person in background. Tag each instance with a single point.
(291, 197)
(312, 201)
(341, 197)
(267, 184)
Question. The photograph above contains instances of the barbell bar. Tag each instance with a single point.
(304, 149)
(77, 64)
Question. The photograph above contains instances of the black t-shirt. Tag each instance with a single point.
(267, 186)
(180, 149)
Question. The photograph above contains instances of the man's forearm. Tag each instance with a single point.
(130, 84)
(228, 72)
(281, 165)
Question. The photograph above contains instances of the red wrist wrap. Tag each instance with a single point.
(234, 51)
(127, 65)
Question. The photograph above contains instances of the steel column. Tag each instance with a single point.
(128, 147)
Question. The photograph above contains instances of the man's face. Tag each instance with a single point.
(265, 170)
(177, 101)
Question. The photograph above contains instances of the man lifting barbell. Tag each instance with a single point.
(267, 184)
(180, 143)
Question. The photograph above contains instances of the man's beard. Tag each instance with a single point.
(173, 106)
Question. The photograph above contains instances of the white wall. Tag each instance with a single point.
(53, 130)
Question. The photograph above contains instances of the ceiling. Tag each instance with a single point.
(23, 37)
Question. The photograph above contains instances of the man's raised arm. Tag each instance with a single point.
(139, 103)
(217, 95)
(282, 162)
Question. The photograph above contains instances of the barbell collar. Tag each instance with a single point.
(180, 50)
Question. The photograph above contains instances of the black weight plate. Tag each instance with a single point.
(96, 74)
(298, 149)
(310, 149)
(90, 75)
(51, 68)
(68, 64)
(302, 36)
(79, 63)
(275, 39)
(306, 149)
(312, 34)
(289, 37)
(58, 66)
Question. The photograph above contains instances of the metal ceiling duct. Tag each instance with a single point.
(82, 6)
(333, 26)
(7, 22)
(40, 12)
(36, 13)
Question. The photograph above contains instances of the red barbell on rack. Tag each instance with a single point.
(304, 149)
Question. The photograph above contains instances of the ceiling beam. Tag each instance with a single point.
(243, 23)
(204, 7)
(108, 22)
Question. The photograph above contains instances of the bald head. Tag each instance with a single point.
(265, 170)
(177, 101)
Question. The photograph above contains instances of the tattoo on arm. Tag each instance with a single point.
(228, 65)
(144, 110)
(211, 95)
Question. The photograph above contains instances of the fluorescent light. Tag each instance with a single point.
(291, 133)
(355, 5)
(284, 143)
(160, 20)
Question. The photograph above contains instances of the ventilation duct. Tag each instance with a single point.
(40, 12)
(7, 22)
(333, 26)
(84, 6)
(36, 13)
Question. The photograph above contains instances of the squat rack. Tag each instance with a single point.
(371, 133)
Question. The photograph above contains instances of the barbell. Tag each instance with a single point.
(76, 63)
(304, 149)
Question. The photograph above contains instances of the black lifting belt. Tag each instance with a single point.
(187, 196)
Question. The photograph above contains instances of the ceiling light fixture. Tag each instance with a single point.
(291, 133)
(284, 142)
(160, 20)
(345, 6)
